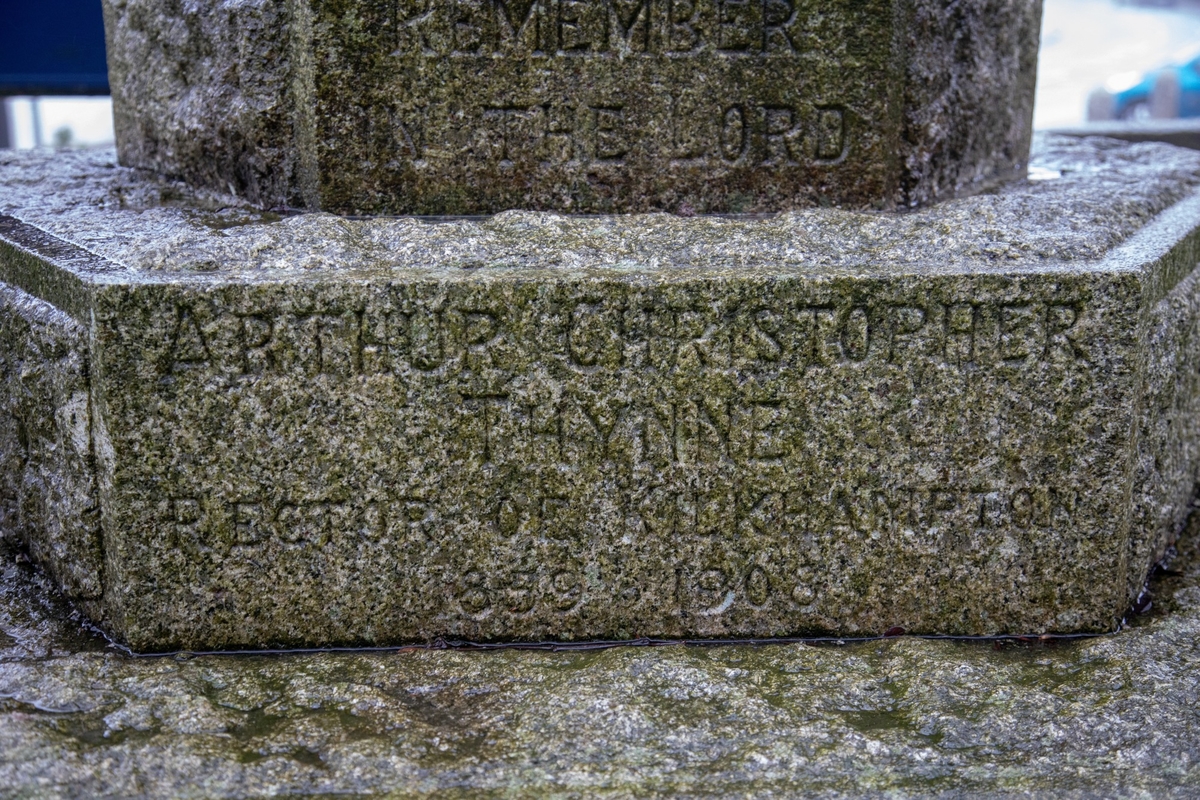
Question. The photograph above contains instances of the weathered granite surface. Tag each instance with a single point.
(1116, 716)
(470, 106)
(977, 418)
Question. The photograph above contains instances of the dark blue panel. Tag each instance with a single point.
(52, 47)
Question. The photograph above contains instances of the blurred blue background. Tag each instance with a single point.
(53, 48)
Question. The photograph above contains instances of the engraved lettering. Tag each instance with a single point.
(594, 339)
(735, 25)
(658, 437)
(183, 515)
(511, 133)
(426, 339)
(558, 143)
(566, 590)
(907, 322)
(711, 591)
(408, 133)
(1018, 335)
(830, 135)
(767, 441)
(473, 594)
(856, 335)
(687, 141)
(706, 427)
(682, 19)
(249, 522)
(189, 350)
(735, 138)
(781, 135)
(707, 511)
(256, 339)
(413, 27)
(590, 428)
(760, 336)
(630, 20)
(961, 322)
(826, 342)
(331, 344)
(412, 519)
(306, 523)
(516, 515)
(520, 21)
(519, 594)
(1022, 508)
(467, 28)
(864, 510)
(490, 415)
(484, 372)
(379, 343)
(778, 17)
(702, 343)
(468, 20)
(766, 515)
(1061, 339)
(758, 587)
(608, 125)
(573, 35)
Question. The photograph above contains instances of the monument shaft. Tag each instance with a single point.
(477, 106)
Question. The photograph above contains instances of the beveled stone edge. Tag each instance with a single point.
(1164, 251)
(48, 267)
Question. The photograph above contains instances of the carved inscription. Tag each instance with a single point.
(519, 593)
(561, 122)
(735, 507)
(595, 28)
(663, 444)
(475, 343)
(549, 134)
(955, 516)
(557, 133)
(303, 524)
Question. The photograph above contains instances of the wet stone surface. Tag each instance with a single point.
(1117, 715)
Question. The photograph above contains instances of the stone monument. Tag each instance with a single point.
(478, 106)
(224, 426)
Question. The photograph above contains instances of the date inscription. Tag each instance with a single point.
(763, 555)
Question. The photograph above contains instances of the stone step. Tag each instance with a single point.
(224, 428)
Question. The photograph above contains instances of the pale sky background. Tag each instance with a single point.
(1084, 44)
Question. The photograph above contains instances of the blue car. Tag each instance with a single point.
(1133, 94)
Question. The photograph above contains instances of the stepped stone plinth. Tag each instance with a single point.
(225, 427)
